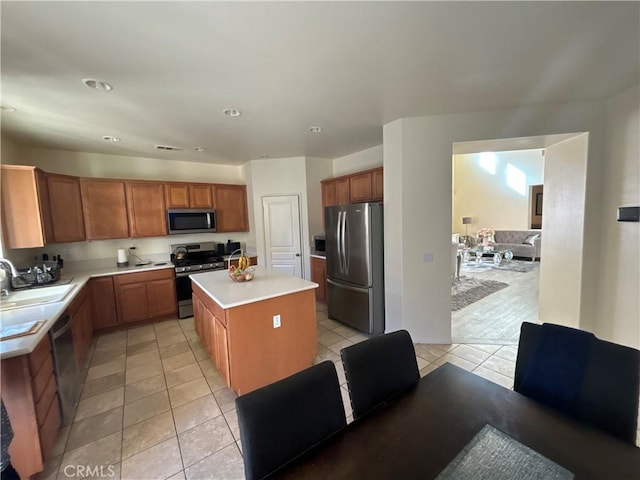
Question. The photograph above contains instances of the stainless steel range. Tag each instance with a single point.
(191, 258)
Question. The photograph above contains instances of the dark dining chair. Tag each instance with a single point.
(572, 371)
(280, 421)
(378, 369)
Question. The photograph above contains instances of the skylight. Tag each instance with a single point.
(488, 161)
(516, 179)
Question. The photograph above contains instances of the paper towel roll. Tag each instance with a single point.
(123, 260)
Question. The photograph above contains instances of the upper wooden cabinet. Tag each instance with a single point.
(188, 195)
(377, 184)
(360, 189)
(366, 186)
(146, 208)
(66, 208)
(230, 202)
(335, 191)
(26, 217)
(104, 204)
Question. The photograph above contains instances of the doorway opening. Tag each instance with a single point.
(499, 188)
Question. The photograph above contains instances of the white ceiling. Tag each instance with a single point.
(349, 67)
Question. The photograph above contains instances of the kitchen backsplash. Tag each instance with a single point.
(152, 248)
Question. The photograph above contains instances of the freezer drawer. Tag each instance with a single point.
(355, 307)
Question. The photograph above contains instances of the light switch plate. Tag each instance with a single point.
(276, 321)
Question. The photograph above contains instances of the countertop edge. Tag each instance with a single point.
(80, 279)
(310, 286)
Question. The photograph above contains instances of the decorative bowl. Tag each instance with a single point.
(245, 275)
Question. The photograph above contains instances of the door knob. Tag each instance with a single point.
(297, 254)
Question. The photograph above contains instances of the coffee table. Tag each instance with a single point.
(479, 252)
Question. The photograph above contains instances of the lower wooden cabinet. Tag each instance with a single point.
(30, 397)
(319, 275)
(145, 295)
(81, 326)
(211, 328)
(103, 302)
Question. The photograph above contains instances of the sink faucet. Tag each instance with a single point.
(16, 279)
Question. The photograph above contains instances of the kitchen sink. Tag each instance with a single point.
(35, 296)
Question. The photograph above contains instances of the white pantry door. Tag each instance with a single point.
(282, 233)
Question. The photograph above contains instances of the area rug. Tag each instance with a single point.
(521, 266)
(467, 290)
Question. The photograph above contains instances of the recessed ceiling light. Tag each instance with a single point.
(199, 149)
(7, 108)
(109, 138)
(315, 129)
(97, 84)
(231, 112)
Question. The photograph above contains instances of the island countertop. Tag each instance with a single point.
(267, 283)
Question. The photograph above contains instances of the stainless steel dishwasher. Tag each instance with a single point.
(66, 369)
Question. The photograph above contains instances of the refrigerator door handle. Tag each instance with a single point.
(348, 287)
(338, 224)
(343, 245)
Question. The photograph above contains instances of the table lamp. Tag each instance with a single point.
(466, 221)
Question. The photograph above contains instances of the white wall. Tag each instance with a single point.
(487, 198)
(421, 148)
(115, 166)
(281, 176)
(355, 162)
(317, 169)
(561, 280)
(618, 307)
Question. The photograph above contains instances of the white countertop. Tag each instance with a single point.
(50, 312)
(267, 283)
(321, 255)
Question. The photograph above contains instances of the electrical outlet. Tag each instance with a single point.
(276, 321)
(427, 257)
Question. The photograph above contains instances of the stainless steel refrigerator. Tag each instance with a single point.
(355, 266)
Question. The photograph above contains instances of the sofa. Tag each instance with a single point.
(514, 240)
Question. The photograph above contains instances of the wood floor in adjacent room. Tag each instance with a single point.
(496, 319)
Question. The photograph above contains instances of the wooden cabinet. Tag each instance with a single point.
(81, 326)
(146, 209)
(377, 184)
(30, 397)
(104, 205)
(328, 193)
(162, 296)
(230, 202)
(145, 295)
(360, 187)
(221, 349)
(366, 186)
(319, 276)
(188, 195)
(335, 192)
(342, 191)
(103, 302)
(26, 217)
(243, 337)
(65, 202)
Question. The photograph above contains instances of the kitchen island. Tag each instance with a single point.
(256, 332)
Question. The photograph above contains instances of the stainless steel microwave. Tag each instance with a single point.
(191, 220)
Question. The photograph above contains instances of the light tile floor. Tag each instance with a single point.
(153, 405)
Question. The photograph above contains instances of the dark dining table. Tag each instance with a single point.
(423, 431)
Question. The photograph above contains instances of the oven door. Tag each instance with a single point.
(183, 291)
